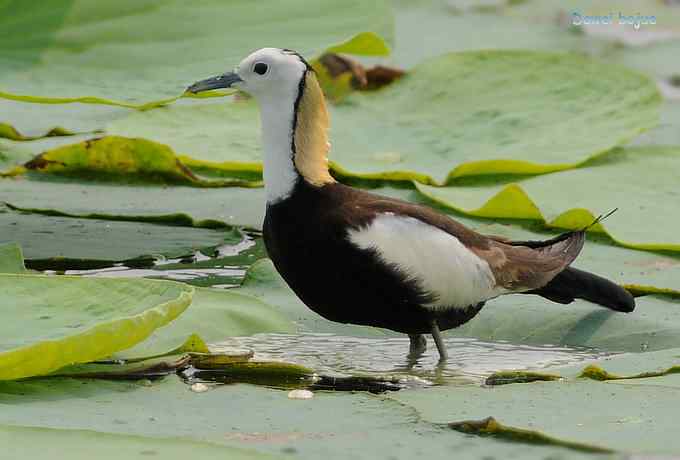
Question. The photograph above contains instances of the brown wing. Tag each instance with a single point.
(517, 266)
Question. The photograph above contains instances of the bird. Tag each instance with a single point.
(356, 257)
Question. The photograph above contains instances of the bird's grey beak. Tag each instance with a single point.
(221, 81)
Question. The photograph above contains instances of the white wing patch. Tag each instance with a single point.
(443, 266)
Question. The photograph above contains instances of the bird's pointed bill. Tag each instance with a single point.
(219, 82)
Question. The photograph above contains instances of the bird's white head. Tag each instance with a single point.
(294, 117)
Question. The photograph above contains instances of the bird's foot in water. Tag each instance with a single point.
(417, 347)
(439, 341)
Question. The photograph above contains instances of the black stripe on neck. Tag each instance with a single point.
(296, 106)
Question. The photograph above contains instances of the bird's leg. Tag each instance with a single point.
(418, 345)
(437, 336)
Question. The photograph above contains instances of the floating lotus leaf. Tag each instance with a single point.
(605, 416)
(139, 52)
(361, 426)
(434, 131)
(47, 237)
(50, 322)
(426, 29)
(114, 157)
(11, 258)
(29, 442)
(214, 315)
(641, 182)
(177, 205)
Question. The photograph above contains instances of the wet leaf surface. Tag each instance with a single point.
(332, 425)
(428, 126)
(434, 132)
(50, 322)
(49, 237)
(214, 314)
(646, 207)
(154, 50)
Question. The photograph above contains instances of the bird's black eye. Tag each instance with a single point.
(260, 68)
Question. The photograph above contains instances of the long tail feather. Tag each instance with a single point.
(572, 283)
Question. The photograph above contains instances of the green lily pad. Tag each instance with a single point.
(571, 199)
(434, 132)
(176, 205)
(214, 315)
(11, 258)
(29, 442)
(51, 322)
(654, 325)
(608, 416)
(119, 158)
(426, 29)
(361, 426)
(54, 321)
(35, 121)
(46, 237)
(132, 52)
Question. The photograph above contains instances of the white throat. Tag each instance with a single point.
(279, 172)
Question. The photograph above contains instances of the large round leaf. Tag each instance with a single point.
(334, 425)
(461, 114)
(11, 258)
(178, 205)
(214, 315)
(430, 28)
(141, 51)
(28, 442)
(49, 322)
(44, 237)
(642, 182)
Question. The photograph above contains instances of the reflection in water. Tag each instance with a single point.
(470, 360)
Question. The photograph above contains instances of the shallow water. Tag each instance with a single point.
(470, 360)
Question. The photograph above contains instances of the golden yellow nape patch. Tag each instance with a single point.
(311, 134)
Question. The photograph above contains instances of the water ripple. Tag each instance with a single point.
(470, 360)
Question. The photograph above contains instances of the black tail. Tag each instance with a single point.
(572, 283)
